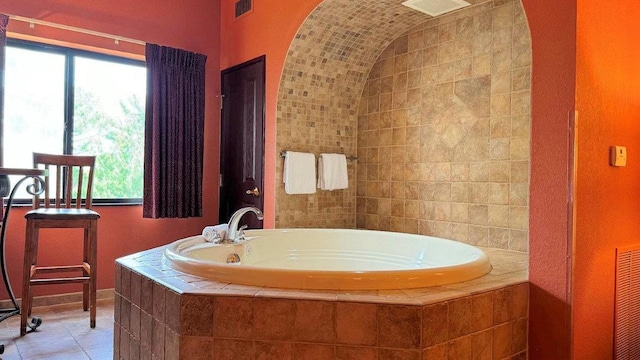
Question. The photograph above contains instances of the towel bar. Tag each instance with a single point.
(283, 153)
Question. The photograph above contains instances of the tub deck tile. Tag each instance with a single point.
(509, 268)
(320, 295)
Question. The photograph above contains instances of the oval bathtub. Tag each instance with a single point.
(331, 259)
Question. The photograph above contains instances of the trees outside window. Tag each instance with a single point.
(60, 100)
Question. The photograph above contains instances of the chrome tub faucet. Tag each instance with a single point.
(234, 234)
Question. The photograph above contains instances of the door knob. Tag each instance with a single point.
(255, 192)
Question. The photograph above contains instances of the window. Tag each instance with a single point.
(60, 100)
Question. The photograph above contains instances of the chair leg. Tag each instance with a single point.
(34, 261)
(85, 258)
(93, 279)
(30, 241)
(30, 309)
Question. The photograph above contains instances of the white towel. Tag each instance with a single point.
(299, 173)
(215, 233)
(332, 172)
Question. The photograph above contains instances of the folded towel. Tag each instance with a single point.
(299, 173)
(332, 172)
(215, 233)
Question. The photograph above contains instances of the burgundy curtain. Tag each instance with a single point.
(174, 133)
(4, 20)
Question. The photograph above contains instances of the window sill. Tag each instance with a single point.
(23, 203)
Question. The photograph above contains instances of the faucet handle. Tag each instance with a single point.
(241, 233)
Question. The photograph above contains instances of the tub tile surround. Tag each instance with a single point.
(162, 313)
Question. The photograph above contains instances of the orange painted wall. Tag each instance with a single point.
(608, 198)
(552, 26)
(191, 25)
(267, 30)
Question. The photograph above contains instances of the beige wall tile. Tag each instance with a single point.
(500, 171)
(499, 193)
(460, 232)
(479, 171)
(441, 126)
(518, 217)
(481, 65)
(479, 235)
(499, 238)
(499, 215)
(460, 192)
(520, 171)
(459, 213)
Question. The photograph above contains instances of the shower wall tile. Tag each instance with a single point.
(331, 78)
(323, 87)
(461, 171)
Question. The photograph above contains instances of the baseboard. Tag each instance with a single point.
(49, 300)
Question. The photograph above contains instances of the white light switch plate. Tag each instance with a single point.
(618, 156)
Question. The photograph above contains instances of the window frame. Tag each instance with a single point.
(70, 54)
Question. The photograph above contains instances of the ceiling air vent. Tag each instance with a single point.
(435, 7)
(242, 7)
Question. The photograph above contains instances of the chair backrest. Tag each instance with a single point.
(68, 181)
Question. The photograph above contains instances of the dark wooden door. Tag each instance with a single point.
(242, 140)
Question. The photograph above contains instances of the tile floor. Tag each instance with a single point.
(64, 334)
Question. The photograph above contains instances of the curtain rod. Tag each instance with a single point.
(116, 38)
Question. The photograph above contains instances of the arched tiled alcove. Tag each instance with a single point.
(436, 109)
(325, 70)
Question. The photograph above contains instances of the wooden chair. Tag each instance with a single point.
(67, 204)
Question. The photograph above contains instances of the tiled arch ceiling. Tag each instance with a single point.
(337, 45)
